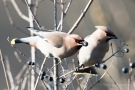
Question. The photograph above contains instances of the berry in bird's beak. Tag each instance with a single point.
(83, 43)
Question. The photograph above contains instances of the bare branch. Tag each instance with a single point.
(119, 50)
(29, 7)
(85, 86)
(101, 76)
(23, 84)
(81, 17)
(46, 85)
(17, 56)
(18, 11)
(7, 11)
(113, 80)
(42, 66)
(129, 75)
(70, 82)
(36, 7)
(17, 78)
(71, 75)
(10, 18)
(76, 76)
(55, 15)
(64, 14)
(5, 73)
(9, 73)
(55, 76)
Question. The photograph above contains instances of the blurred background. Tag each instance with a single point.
(119, 15)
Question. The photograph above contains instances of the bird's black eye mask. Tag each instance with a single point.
(81, 42)
(110, 36)
(107, 34)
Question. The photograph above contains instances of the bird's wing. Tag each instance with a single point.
(54, 38)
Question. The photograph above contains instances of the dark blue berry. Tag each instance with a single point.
(125, 70)
(132, 64)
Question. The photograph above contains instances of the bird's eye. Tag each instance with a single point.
(77, 41)
(107, 34)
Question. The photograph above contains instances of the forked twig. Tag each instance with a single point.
(114, 53)
(18, 11)
(113, 80)
(23, 84)
(42, 66)
(76, 76)
(101, 76)
(5, 73)
(11, 20)
(65, 13)
(81, 17)
(70, 82)
(85, 86)
(10, 77)
(39, 26)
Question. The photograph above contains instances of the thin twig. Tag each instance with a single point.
(55, 15)
(101, 76)
(78, 82)
(9, 73)
(53, 67)
(17, 57)
(29, 7)
(114, 53)
(55, 76)
(46, 85)
(5, 73)
(62, 14)
(81, 17)
(18, 11)
(7, 11)
(113, 80)
(70, 82)
(129, 75)
(42, 66)
(23, 84)
(71, 75)
(17, 78)
(36, 7)
(66, 73)
(65, 13)
(11, 20)
(85, 86)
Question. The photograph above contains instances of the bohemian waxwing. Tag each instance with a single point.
(53, 44)
(97, 48)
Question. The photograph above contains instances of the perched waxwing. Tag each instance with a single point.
(97, 48)
(53, 44)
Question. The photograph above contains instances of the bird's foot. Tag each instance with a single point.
(78, 68)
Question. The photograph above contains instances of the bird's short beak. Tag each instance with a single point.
(113, 37)
(83, 43)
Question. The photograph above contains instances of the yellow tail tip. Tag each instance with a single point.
(13, 41)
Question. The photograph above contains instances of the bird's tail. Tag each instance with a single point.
(15, 41)
(89, 70)
(27, 40)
